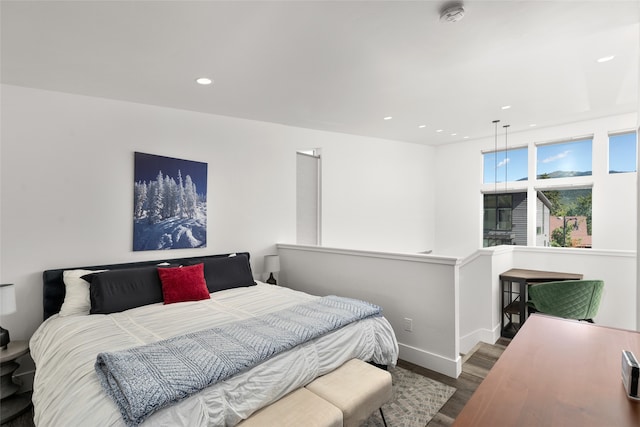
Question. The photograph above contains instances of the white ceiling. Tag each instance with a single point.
(338, 65)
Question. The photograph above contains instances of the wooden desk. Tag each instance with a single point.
(514, 301)
(557, 372)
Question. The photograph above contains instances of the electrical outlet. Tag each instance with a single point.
(408, 324)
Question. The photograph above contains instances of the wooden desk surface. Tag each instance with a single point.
(516, 274)
(557, 372)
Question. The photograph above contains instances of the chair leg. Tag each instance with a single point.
(383, 420)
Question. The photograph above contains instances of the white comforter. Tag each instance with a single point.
(67, 391)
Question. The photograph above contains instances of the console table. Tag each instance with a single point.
(514, 299)
(557, 372)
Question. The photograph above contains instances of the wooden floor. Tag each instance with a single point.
(474, 369)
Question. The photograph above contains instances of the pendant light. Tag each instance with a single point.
(495, 172)
(506, 162)
(506, 158)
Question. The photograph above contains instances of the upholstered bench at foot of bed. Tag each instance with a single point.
(298, 408)
(357, 388)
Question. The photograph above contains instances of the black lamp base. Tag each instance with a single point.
(272, 280)
(4, 338)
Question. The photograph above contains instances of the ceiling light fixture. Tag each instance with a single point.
(605, 58)
(453, 134)
(439, 130)
(388, 118)
(451, 12)
(422, 126)
(204, 81)
(506, 107)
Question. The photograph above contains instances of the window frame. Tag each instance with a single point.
(611, 135)
(496, 179)
(558, 142)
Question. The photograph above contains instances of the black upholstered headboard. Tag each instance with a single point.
(53, 290)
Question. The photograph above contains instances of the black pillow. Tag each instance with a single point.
(118, 290)
(227, 272)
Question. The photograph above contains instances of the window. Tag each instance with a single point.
(497, 211)
(567, 221)
(509, 164)
(566, 159)
(505, 219)
(623, 152)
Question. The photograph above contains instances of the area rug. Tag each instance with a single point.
(416, 399)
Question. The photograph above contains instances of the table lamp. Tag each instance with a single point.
(7, 306)
(271, 265)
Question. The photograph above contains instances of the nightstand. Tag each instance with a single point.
(12, 404)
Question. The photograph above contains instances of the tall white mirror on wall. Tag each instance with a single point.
(308, 196)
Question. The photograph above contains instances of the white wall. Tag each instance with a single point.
(638, 203)
(460, 165)
(453, 303)
(67, 179)
(480, 299)
(373, 186)
(423, 288)
(618, 307)
(480, 295)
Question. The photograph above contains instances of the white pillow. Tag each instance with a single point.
(76, 300)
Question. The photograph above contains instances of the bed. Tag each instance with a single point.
(106, 309)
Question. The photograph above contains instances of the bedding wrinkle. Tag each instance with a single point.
(216, 306)
(143, 379)
(237, 313)
(120, 323)
(67, 391)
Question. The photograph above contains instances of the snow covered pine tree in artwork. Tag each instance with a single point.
(169, 214)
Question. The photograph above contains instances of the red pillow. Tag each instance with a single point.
(183, 284)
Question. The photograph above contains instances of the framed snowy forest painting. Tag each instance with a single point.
(169, 203)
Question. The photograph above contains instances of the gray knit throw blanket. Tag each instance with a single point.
(143, 379)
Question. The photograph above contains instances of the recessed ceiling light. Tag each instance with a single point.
(533, 125)
(204, 81)
(439, 130)
(453, 134)
(388, 118)
(422, 126)
(605, 58)
(465, 137)
(506, 107)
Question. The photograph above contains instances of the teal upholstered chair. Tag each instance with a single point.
(571, 299)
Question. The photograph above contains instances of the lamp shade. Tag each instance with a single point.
(7, 299)
(271, 263)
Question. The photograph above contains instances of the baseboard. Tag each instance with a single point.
(444, 365)
(469, 341)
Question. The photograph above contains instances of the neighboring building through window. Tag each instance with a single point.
(543, 219)
(564, 159)
(623, 152)
(505, 219)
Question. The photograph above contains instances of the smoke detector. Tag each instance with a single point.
(452, 13)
